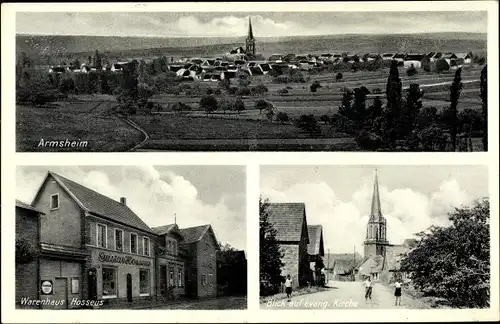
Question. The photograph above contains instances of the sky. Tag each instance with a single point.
(339, 197)
(230, 24)
(198, 195)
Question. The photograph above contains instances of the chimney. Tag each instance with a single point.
(123, 200)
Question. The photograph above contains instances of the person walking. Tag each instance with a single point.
(288, 287)
(397, 291)
(368, 288)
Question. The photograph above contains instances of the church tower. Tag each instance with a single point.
(376, 234)
(250, 41)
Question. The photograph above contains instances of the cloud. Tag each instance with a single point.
(344, 221)
(155, 196)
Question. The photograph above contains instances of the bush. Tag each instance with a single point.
(259, 89)
(339, 76)
(217, 92)
(262, 104)
(315, 86)
(411, 71)
(282, 117)
(209, 103)
(325, 119)
(308, 124)
(243, 91)
(283, 91)
(239, 105)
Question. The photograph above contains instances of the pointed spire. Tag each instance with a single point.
(250, 31)
(175, 218)
(376, 211)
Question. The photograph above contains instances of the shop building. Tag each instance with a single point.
(170, 262)
(93, 247)
(200, 246)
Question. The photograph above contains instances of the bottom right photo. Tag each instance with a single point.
(357, 237)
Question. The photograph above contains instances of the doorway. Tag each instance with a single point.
(129, 287)
(92, 283)
(61, 293)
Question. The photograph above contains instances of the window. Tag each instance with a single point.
(144, 282)
(75, 285)
(118, 240)
(54, 201)
(133, 243)
(179, 277)
(174, 247)
(145, 246)
(102, 237)
(171, 278)
(108, 282)
(204, 280)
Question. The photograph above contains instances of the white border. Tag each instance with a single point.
(253, 314)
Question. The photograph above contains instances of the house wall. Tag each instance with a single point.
(54, 269)
(61, 226)
(304, 271)
(27, 274)
(291, 262)
(121, 269)
(207, 266)
(170, 261)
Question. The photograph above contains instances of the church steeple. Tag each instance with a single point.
(376, 211)
(250, 41)
(376, 230)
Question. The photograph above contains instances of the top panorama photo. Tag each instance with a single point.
(251, 81)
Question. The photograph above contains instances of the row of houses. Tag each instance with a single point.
(301, 244)
(91, 247)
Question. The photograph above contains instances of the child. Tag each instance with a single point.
(288, 287)
(397, 292)
(368, 288)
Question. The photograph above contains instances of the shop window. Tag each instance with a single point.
(144, 285)
(54, 201)
(179, 277)
(133, 243)
(118, 240)
(145, 246)
(75, 285)
(108, 282)
(102, 238)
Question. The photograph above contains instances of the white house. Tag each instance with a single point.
(466, 58)
(388, 56)
(414, 60)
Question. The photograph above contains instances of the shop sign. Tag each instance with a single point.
(46, 287)
(128, 260)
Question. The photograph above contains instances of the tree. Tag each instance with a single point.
(25, 252)
(484, 98)
(261, 104)
(455, 89)
(270, 253)
(208, 103)
(66, 85)
(393, 109)
(453, 262)
(239, 105)
(442, 65)
(411, 110)
(315, 86)
(345, 106)
(338, 77)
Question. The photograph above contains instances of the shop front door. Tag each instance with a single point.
(61, 293)
(129, 287)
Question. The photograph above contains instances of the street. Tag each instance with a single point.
(345, 295)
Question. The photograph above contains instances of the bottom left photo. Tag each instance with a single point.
(130, 237)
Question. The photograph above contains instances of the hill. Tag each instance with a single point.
(41, 46)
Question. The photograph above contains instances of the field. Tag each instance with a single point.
(75, 121)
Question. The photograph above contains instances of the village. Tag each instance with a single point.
(77, 248)
(283, 101)
(324, 280)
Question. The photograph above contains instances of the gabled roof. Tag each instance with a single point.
(315, 246)
(462, 55)
(20, 204)
(98, 204)
(172, 229)
(196, 233)
(288, 220)
(414, 57)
